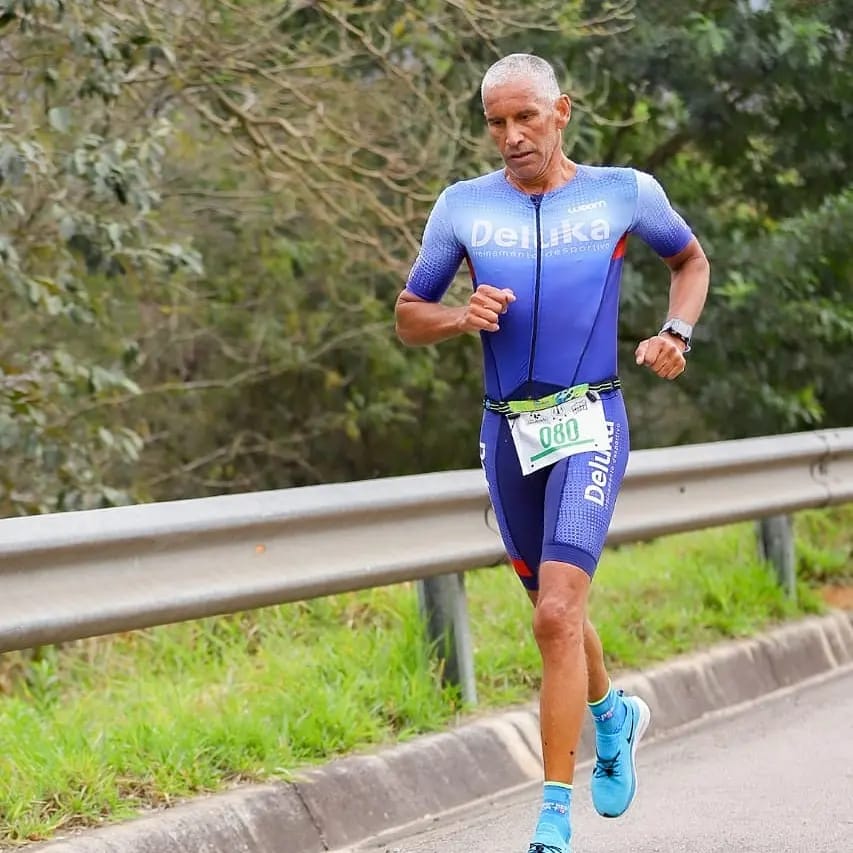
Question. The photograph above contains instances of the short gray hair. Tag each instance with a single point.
(523, 66)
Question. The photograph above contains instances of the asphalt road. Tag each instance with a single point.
(772, 777)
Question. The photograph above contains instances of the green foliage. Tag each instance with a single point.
(204, 704)
(824, 546)
(785, 302)
(79, 179)
(285, 352)
(300, 147)
(742, 113)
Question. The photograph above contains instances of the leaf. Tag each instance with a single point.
(158, 53)
(12, 165)
(60, 118)
(67, 227)
(106, 437)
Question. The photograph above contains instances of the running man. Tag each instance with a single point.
(544, 239)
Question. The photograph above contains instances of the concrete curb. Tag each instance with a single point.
(353, 798)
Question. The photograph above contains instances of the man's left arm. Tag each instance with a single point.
(689, 279)
(662, 228)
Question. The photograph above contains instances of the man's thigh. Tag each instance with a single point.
(581, 493)
(518, 501)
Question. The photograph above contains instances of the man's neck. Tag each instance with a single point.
(557, 175)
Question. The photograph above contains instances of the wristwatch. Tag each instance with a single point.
(679, 329)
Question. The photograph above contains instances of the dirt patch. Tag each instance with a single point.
(838, 596)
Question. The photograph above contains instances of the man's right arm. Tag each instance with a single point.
(420, 322)
(420, 318)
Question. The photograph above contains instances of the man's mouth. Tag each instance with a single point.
(517, 158)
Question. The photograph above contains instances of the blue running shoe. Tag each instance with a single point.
(536, 847)
(614, 779)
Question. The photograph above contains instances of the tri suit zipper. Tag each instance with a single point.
(537, 201)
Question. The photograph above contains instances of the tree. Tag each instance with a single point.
(741, 109)
(78, 192)
(301, 144)
(354, 116)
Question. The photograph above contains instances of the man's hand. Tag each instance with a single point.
(663, 354)
(484, 308)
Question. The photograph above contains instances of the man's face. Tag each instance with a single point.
(526, 128)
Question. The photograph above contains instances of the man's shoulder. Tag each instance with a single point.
(616, 184)
(615, 175)
(492, 182)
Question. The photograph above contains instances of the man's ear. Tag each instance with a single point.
(564, 111)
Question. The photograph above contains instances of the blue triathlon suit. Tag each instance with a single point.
(561, 253)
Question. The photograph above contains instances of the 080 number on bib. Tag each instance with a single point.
(544, 437)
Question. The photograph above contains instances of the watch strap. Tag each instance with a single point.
(680, 330)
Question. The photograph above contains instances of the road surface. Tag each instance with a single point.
(774, 776)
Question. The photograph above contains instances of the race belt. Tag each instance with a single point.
(516, 407)
(557, 426)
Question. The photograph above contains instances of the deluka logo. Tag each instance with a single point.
(484, 232)
(600, 468)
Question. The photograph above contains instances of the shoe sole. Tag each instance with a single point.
(644, 717)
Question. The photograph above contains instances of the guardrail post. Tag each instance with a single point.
(445, 611)
(776, 544)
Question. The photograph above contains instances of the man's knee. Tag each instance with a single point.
(560, 611)
(557, 621)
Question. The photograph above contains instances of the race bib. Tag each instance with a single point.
(548, 435)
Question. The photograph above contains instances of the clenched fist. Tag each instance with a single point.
(484, 308)
(662, 355)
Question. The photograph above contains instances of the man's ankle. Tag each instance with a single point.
(608, 713)
(554, 826)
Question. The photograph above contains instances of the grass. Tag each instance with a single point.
(99, 729)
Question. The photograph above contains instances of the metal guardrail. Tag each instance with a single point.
(72, 575)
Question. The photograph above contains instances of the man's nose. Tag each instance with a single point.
(514, 135)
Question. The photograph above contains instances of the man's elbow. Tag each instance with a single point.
(408, 335)
(703, 266)
(692, 261)
(402, 327)
(698, 265)
(403, 334)
(699, 259)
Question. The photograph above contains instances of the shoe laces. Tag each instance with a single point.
(606, 766)
(543, 848)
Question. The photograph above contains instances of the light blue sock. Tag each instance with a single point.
(554, 827)
(608, 713)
